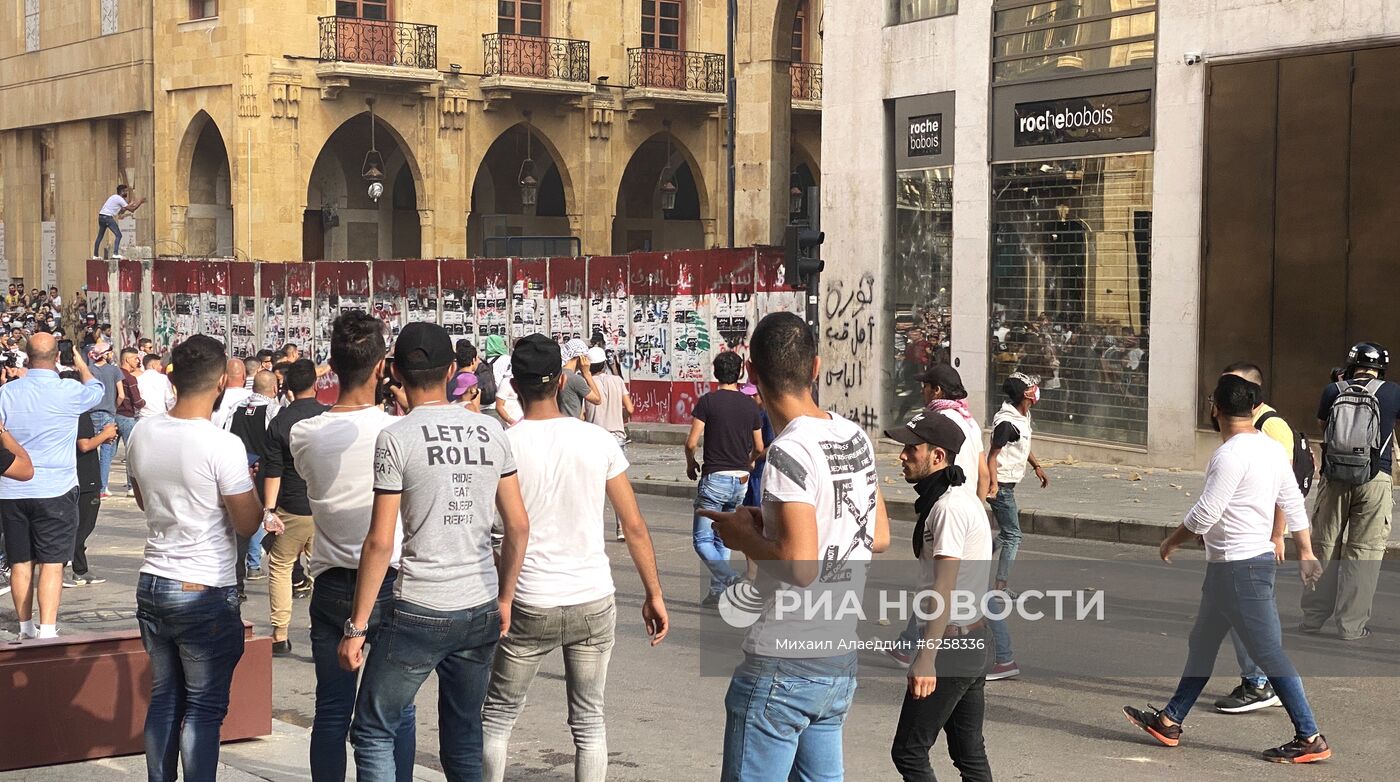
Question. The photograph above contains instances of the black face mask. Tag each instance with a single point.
(1215, 423)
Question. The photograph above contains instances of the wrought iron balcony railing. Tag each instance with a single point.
(374, 42)
(676, 70)
(806, 81)
(536, 57)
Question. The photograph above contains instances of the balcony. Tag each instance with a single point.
(666, 75)
(379, 51)
(535, 64)
(806, 86)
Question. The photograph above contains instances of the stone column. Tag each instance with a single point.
(427, 247)
(763, 122)
(177, 226)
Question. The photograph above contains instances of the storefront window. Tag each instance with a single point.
(1048, 39)
(920, 284)
(913, 10)
(1070, 281)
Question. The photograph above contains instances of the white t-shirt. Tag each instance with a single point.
(957, 527)
(505, 392)
(334, 453)
(564, 465)
(970, 455)
(156, 391)
(113, 205)
(1248, 476)
(827, 463)
(184, 467)
(233, 397)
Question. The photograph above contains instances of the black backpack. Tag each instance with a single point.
(1304, 466)
(486, 381)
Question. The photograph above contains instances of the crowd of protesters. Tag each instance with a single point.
(450, 495)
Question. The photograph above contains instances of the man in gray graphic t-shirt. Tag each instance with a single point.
(445, 472)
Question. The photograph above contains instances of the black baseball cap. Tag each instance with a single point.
(927, 427)
(536, 360)
(946, 378)
(423, 345)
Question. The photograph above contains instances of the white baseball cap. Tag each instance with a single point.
(597, 355)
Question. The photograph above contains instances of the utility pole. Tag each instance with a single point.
(732, 100)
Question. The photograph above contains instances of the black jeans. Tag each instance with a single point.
(89, 503)
(956, 707)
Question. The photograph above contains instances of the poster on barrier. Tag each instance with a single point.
(129, 299)
(213, 299)
(341, 286)
(174, 301)
(273, 296)
(99, 298)
(387, 297)
(729, 285)
(649, 294)
(567, 278)
(458, 282)
(420, 280)
(608, 319)
(529, 306)
(491, 301)
(243, 309)
(298, 306)
(690, 333)
(773, 294)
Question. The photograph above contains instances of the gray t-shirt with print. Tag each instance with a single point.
(446, 461)
(572, 394)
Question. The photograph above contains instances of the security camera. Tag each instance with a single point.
(1193, 58)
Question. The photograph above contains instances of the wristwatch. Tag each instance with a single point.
(351, 631)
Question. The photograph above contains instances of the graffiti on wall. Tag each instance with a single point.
(848, 329)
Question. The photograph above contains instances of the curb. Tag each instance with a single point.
(1033, 522)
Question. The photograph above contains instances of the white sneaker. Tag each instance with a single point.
(118, 257)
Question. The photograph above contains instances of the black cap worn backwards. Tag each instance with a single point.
(536, 360)
(946, 378)
(932, 428)
(423, 346)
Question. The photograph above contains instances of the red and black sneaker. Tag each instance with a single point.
(1300, 751)
(1151, 720)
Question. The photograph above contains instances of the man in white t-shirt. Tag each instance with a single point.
(823, 518)
(612, 411)
(1248, 477)
(334, 454)
(564, 598)
(114, 209)
(944, 393)
(444, 467)
(155, 389)
(237, 393)
(192, 481)
(954, 547)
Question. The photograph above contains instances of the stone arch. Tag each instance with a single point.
(496, 209)
(639, 222)
(204, 182)
(341, 221)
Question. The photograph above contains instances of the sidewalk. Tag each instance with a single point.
(281, 757)
(1094, 501)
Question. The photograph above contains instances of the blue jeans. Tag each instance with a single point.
(784, 719)
(255, 548)
(124, 428)
(413, 642)
(194, 639)
(332, 598)
(721, 493)
(1009, 520)
(1249, 671)
(107, 223)
(1240, 596)
(107, 450)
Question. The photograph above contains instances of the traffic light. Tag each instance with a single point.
(802, 255)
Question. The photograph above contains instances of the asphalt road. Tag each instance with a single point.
(1060, 720)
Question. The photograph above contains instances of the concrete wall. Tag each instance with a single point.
(952, 53)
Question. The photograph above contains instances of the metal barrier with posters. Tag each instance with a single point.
(662, 317)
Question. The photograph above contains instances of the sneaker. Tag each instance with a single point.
(106, 495)
(1003, 671)
(1152, 721)
(620, 536)
(255, 574)
(1309, 629)
(1247, 697)
(1365, 633)
(281, 648)
(301, 590)
(89, 579)
(710, 601)
(71, 582)
(904, 658)
(1300, 751)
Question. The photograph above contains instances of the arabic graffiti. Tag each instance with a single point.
(848, 315)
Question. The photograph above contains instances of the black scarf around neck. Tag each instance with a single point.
(929, 490)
